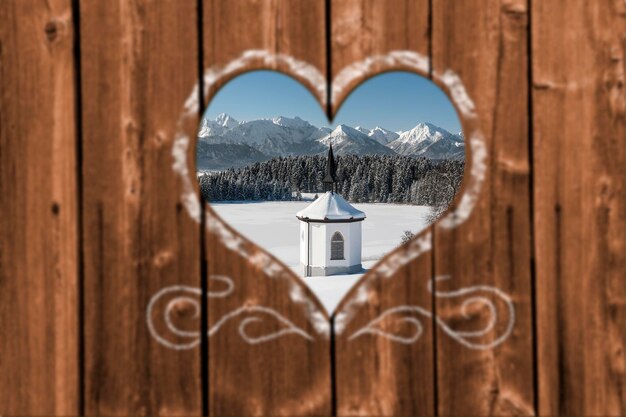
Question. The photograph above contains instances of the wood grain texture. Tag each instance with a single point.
(375, 375)
(38, 210)
(362, 29)
(578, 124)
(291, 28)
(553, 195)
(485, 43)
(139, 65)
(290, 374)
(286, 374)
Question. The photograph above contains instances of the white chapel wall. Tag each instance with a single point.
(355, 247)
(318, 244)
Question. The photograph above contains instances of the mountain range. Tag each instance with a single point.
(227, 143)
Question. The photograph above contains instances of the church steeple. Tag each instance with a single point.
(330, 179)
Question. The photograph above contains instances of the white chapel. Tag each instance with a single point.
(330, 231)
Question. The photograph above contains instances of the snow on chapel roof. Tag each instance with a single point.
(330, 206)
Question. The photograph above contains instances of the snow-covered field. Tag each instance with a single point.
(273, 225)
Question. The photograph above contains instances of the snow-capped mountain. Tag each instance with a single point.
(280, 136)
(217, 127)
(379, 134)
(263, 139)
(226, 121)
(429, 141)
(348, 140)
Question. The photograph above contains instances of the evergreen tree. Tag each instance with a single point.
(362, 178)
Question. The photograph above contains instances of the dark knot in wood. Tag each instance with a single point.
(52, 31)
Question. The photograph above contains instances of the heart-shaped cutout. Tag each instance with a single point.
(330, 200)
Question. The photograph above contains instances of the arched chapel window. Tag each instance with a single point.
(336, 246)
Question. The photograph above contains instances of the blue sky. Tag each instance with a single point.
(393, 100)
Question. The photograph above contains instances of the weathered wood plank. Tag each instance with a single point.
(375, 375)
(363, 29)
(38, 210)
(293, 30)
(139, 65)
(281, 374)
(485, 43)
(578, 122)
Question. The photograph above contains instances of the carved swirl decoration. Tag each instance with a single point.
(177, 296)
(479, 295)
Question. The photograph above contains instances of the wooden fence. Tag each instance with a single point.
(120, 294)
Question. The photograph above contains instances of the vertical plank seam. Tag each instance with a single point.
(80, 267)
(333, 369)
(330, 116)
(531, 211)
(433, 302)
(204, 308)
(329, 67)
(430, 39)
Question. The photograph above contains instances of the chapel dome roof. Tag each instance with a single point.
(330, 206)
